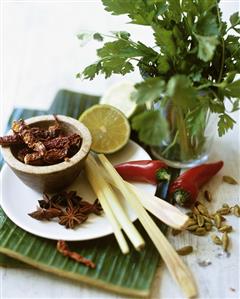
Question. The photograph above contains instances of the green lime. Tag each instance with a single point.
(109, 127)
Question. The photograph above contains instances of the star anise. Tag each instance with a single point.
(87, 208)
(72, 216)
(45, 202)
(45, 214)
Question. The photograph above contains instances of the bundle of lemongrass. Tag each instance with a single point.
(104, 178)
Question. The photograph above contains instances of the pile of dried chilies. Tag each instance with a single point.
(39, 146)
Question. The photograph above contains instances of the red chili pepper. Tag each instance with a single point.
(186, 187)
(149, 171)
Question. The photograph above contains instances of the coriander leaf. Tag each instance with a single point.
(122, 34)
(97, 36)
(224, 124)
(120, 7)
(174, 11)
(235, 105)
(206, 46)
(84, 37)
(233, 89)
(152, 127)
(207, 25)
(148, 90)
(163, 64)
(216, 106)
(235, 19)
(122, 48)
(182, 93)
(116, 65)
(91, 71)
(206, 5)
(164, 40)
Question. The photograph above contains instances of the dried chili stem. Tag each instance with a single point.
(177, 268)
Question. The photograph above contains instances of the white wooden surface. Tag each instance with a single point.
(40, 55)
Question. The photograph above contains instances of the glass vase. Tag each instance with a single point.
(191, 134)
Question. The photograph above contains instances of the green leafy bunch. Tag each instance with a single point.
(193, 63)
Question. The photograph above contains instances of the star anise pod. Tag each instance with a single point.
(45, 202)
(87, 208)
(72, 216)
(46, 214)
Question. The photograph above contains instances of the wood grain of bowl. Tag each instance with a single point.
(55, 177)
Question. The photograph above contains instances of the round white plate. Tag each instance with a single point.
(18, 200)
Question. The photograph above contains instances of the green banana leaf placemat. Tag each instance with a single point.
(132, 274)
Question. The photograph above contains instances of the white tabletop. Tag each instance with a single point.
(40, 55)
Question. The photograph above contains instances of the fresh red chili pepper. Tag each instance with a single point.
(149, 171)
(186, 187)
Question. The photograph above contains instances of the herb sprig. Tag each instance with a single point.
(194, 63)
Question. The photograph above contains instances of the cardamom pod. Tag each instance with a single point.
(225, 228)
(216, 240)
(190, 222)
(202, 210)
(225, 241)
(195, 211)
(236, 210)
(230, 180)
(201, 231)
(200, 220)
(185, 250)
(208, 195)
(175, 232)
(207, 219)
(223, 211)
(208, 226)
(192, 227)
(217, 220)
(225, 205)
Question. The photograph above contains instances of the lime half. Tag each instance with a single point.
(109, 127)
(119, 96)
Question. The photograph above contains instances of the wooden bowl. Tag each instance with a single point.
(53, 177)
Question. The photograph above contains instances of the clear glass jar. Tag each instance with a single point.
(187, 145)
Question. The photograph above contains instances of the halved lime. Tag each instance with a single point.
(109, 127)
(119, 96)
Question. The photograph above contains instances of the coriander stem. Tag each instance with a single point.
(223, 46)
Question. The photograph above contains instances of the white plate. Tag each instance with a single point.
(18, 200)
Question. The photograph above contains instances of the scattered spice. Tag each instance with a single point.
(225, 241)
(207, 195)
(236, 210)
(63, 248)
(225, 228)
(185, 250)
(39, 147)
(223, 211)
(67, 206)
(217, 220)
(230, 180)
(216, 240)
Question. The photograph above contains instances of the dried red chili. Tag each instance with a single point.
(63, 248)
(42, 146)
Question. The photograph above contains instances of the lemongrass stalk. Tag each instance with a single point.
(161, 209)
(132, 233)
(177, 268)
(90, 171)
